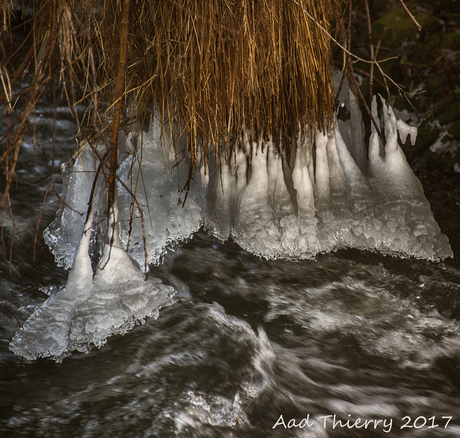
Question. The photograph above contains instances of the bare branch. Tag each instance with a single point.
(411, 16)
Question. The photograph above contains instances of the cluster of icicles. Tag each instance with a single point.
(329, 197)
(332, 194)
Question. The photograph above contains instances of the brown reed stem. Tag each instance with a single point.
(371, 49)
(411, 16)
(13, 146)
(119, 92)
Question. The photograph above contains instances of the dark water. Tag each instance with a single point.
(349, 335)
(348, 345)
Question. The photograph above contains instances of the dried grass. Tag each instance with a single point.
(219, 67)
(6, 12)
(212, 69)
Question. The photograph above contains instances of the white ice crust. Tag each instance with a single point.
(341, 196)
(91, 309)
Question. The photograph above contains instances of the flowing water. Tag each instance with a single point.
(344, 337)
(351, 344)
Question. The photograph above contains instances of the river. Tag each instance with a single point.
(350, 344)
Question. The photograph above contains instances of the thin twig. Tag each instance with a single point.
(119, 91)
(371, 49)
(411, 16)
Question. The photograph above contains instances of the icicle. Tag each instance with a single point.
(240, 174)
(172, 153)
(256, 190)
(358, 150)
(375, 147)
(241, 164)
(204, 172)
(254, 229)
(339, 221)
(328, 226)
(357, 185)
(272, 171)
(337, 176)
(278, 195)
(322, 189)
(219, 203)
(63, 235)
(306, 241)
(80, 280)
(404, 130)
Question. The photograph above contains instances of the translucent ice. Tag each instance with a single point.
(63, 235)
(151, 201)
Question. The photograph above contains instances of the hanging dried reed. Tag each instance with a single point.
(218, 67)
(212, 69)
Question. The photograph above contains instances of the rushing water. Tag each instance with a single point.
(350, 344)
(349, 335)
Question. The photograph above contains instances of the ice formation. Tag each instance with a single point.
(334, 196)
(330, 193)
(90, 309)
(151, 205)
(64, 234)
(156, 184)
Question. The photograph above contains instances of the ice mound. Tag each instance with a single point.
(90, 309)
(330, 194)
